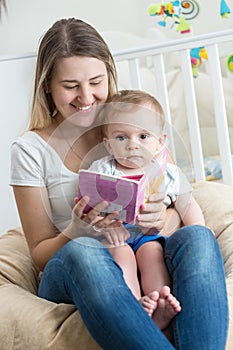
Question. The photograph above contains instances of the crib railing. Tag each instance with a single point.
(157, 51)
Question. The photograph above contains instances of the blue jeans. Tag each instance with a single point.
(84, 273)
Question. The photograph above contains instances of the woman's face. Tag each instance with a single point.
(78, 85)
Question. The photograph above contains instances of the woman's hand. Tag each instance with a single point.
(152, 214)
(112, 230)
(85, 224)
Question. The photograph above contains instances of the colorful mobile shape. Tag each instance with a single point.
(230, 63)
(179, 11)
(190, 9)
(197, 55)
(224, 9)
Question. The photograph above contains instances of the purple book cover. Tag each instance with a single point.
(124, 194)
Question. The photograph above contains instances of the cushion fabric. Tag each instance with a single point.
(29, 322)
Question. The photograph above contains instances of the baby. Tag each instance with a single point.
(133, 134)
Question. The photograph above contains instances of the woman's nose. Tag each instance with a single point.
(85, 96)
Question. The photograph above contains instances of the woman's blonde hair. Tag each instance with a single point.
(66, 38)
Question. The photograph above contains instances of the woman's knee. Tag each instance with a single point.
(193, 242)
(191, 235)
(82, 250)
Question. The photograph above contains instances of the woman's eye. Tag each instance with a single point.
(71, 87)
(95, 83)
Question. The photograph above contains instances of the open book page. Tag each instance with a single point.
(155, 174)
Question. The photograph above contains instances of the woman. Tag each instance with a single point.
(75, 75)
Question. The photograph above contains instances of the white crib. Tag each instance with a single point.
(157, 54)
(141, 63)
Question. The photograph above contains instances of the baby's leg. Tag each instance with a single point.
(150, 261)
(155, 277)
(125, 258)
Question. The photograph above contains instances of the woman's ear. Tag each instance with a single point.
(107, 145)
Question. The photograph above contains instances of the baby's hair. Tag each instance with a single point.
(126, 100)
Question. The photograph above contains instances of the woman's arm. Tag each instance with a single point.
(35, 216)
(189, 210)
(172, 222)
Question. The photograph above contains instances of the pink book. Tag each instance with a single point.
(125, 194)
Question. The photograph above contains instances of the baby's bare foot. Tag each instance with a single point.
(167, 307)
(149, 302)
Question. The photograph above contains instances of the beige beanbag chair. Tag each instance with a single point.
(29, 322)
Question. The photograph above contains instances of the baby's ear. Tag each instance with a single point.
(162, 142)
(107, 145)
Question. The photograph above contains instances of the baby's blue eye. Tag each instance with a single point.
(121, 137)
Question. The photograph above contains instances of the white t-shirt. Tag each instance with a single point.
(175, 183)
(35, 163)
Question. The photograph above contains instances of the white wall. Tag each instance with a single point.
(20, 31)
(15, 91)
(26, 20)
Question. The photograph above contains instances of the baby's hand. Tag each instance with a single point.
(115, 234)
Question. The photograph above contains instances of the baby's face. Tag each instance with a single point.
(133, 146)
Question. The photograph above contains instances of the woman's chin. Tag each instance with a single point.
(86, 118)
(82, 120)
